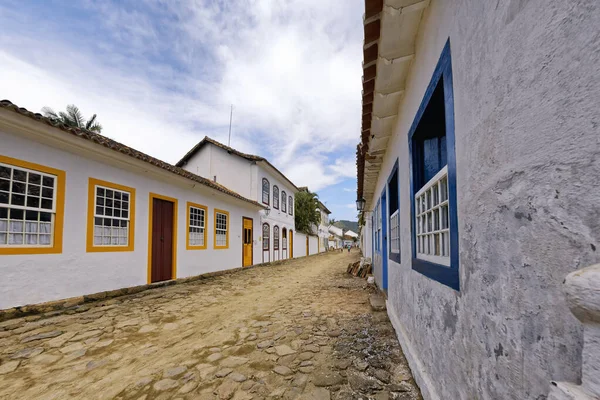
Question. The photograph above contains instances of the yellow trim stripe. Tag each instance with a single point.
(59, 216)
(90, 247)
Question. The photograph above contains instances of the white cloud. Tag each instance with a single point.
(162, 76)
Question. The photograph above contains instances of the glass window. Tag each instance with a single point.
(221, 229)
(27, 207)
(276, 197)
(283, 201)
(266, 236)
(291, 206)
(275, 237)
(111, 217)
(266, 186)
(196, 226)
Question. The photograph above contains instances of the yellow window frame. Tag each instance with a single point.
(217, 211)
(59, 215)
(187, 226)
(90, 247)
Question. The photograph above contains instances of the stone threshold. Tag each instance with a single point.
(56, 307)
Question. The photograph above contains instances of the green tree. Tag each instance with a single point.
(307, 213)
(73, 117)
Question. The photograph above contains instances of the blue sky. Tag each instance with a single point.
(162, 74)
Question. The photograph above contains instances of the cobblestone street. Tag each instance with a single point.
(301, 329)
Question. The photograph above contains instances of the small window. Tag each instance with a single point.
(283, 201)
(276, 197)
(112, 216)
(275, 237)
(266, 236)
(394, 219)
(291, 206)
(221, 229)
(266, 188)
(28, 207)
(196, 228)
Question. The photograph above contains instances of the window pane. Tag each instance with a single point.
(47, 204)
(19, 175)
(4, 172)
(5, 185)
(33, 202)
(48, 181)
(35, 178)
(48, 192)
(3, 198)
(16, 214)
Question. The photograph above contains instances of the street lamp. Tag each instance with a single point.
(360, 204)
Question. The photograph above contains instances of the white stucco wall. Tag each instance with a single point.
(313, 243)
(526, 98)
(30, 279)
(232, 171)
(299, 244)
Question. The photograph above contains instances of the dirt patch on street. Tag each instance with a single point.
(302, 329)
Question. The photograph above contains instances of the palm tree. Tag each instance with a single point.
(73, 117)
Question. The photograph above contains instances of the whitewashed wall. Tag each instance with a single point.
(232, 171)
(299, 244)
(526, 96)
(30, 279)
(313, 243)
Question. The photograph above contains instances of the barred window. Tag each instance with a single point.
(275, 237)
(276, 197)
(266, 186)
(221, 229)
(196, 226)
(266, 236)
(283, 201)
(111, 217)
(27, 207)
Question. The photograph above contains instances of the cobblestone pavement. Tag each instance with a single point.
(299, 330)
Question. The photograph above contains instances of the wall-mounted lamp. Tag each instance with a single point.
(360, 204)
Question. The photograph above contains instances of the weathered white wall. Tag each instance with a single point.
(526, 99)
(313, 243)
(299, 244)
(233, 172)
(30, 279)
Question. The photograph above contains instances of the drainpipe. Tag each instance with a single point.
(582, 289)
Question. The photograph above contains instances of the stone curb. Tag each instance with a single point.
(56, 307)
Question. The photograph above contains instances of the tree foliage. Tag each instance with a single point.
(73, 117)
(307, 213)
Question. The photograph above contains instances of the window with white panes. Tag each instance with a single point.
(221, 230)
(196, 226)
(283, 201)
(27, 207)
(275, 237)
(276, 197)
(433, 224)
(394, 218)
(291, 206)
(111, 217)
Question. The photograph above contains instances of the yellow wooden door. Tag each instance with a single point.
(247, 242)
(291, 233)
(307, 247)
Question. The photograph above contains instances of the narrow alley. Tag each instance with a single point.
(300, 329)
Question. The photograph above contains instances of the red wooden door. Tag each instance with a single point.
(162, 240)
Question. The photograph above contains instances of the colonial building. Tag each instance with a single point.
(323, 229)
(81, 213)
(256, 178)
(479, 160)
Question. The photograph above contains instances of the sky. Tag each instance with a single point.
(163, 74)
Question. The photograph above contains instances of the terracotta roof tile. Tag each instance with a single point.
(121, 148)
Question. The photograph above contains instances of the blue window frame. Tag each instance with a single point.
(432, 148)
(393, 188)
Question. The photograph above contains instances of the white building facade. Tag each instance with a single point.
(478, 163)
(255, 178)
(81, 214)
